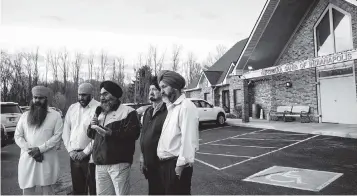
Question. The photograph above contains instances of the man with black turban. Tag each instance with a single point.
(153, 121)
(179, 138)
(114, 131)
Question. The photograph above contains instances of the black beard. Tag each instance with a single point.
(37, 114)
(109, 105)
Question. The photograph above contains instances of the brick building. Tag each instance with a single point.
(299, 53)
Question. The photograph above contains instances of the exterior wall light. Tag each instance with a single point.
(288, 84)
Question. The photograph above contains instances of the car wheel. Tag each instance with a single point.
(220, 119)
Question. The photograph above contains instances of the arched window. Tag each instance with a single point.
(333, 32)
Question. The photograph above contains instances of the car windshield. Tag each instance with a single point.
(5, 109)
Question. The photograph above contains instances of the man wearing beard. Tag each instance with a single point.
(37, 133)
(179, 138)
(153, 121)
(114, 132)
(78, 144)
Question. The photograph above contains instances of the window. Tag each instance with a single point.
(205, 104)
(333, 32)
(236, 98)
(197, 104)
(205, 96)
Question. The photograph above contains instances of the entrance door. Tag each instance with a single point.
(338, 100)
(225, 100)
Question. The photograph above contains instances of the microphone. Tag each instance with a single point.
(98, 110)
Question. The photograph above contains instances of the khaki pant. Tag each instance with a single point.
(113, 179)
(39, 190)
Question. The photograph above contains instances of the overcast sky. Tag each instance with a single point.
(126, 27)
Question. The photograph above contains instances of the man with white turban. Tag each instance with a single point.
(78, 144)
(178, 142)
(37, 134)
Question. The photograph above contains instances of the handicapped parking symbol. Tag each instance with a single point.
(289, 177)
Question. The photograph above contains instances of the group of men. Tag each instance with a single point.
(100, 139)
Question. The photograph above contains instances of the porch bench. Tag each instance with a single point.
(281, 111)
(298, 111)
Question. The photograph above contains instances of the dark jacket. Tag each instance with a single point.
(119, 147)
(150, 134)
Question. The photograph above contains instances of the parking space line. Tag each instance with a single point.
(243, 138)
(214, 128)
(269, 152)
(233, 145)
(207, 164)
(234, 136)
(225, 155)
(287, 133)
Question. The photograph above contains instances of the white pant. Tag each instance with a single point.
(39, 190)
(113, 179)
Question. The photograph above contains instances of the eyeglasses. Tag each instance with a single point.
(36, 97)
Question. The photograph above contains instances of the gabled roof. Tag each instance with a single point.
(275, 27)
(213, 76)
(216, 73)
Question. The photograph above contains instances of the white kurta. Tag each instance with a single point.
(46, 137)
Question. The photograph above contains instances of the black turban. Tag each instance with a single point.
(112, 87)
(172, 79)
(154, 82)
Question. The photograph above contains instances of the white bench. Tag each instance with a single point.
(298, 111)
(281, 111)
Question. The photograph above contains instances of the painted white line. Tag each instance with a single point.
(234, 136)
(214, 167)
(269, 152)
(225, 155)
(234, 145)
(243, 138)
(267, 133)
(329, 181)
(214, 128)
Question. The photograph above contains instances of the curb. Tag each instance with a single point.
(352, 135)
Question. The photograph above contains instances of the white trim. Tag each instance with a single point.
(260, 36)
(332, 32)
(251, 35)
(305, 64)
(353, 2)
(294, 33)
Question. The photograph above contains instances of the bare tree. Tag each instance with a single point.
(64, 66)
(120, 73)
(76, 67)
(140, 60)
(90, 66)
(215, 56)
(54, 61)
(176, 51)
(155, 60)
(103, 64)
(5, 75)
(192, 68)
(35, 58)
(114, 74)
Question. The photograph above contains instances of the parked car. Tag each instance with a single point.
(4, 137)
(25, 108)
(10, 115)
(208, 113)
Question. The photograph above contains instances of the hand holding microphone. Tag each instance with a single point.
(95, 123)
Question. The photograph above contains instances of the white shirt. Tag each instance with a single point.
(75, 127)
(179, 135)
(46, 138)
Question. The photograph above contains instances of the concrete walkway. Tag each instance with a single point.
(339, 130)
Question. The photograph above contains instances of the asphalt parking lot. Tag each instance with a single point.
(241, 160)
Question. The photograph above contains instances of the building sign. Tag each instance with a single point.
(306, 64)
(303, 179)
